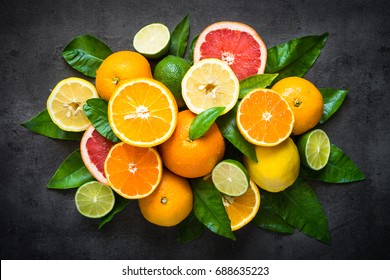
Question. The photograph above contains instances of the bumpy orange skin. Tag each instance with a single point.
(192, 158)
(170, 203)
(119, 68)
(304, 99)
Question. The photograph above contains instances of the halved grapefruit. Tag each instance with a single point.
(94, 149)
(235, 43)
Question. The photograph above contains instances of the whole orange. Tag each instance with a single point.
(118, 68)
(192, 158)
(304, 99)
(170, 203)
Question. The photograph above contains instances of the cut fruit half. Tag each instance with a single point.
(235, 43)
(230, 177)
(210, 83)
(314, 149)
(152, 40)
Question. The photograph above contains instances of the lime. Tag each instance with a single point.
(94, 200)
(230, 177)
(170, 71)
(153, 40)
(314, 149)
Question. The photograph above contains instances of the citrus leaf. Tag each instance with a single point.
(267, 218)
(298, 206)
(339, 169)
(179, 37)
(96, 111)
(189, 229)
(255, 81)
(228, 126)
(295, 57)
(43, 125)
(203, 121)
(85, 53)
(72, 173)
(209, 209)
(120, 204)
(333, 98)
(192, 47)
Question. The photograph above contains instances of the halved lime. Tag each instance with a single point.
(153, 40)
(94, 200)
(314, 149)
(230, 177)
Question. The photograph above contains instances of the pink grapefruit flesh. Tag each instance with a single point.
(94, 149)
(237, 44)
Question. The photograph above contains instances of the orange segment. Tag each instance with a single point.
(133, 172)
(143, 112)
(264, 118)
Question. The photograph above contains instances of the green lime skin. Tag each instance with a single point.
(170, 71)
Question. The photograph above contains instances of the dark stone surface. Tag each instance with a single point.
(37, 223)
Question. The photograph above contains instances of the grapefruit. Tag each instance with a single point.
(235, 43)
(94, 149)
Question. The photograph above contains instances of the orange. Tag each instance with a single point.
(305, 101)
(143, 112)
(170, 203)
(119, 68)
(192, 158)
(242, 209)
(264, 118)
(133, 172)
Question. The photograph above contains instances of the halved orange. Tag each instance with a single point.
(264, 118)
(143, 112)
(242, 209)
(133, 172)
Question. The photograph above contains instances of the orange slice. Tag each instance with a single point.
(242, 209)
(143, 112)
(264, 118)
(133, 172)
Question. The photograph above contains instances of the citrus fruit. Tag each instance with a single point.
(94, 149)
(192, 158)
(153, 40)
(264, 118)
(305, 101)
(230, 177)
(242, 209)
(210, 83)
(235, 43)
(117, 69)
(277, 167)
(170, 71)
(314, 149)
(66, 101)
(142, 112)
(133, 172)
(170, 203)
(94, 199)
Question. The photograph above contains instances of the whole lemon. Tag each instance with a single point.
(277, 167)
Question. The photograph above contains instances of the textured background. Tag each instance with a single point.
(37, 223)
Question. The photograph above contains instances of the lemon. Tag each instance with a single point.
(153, 40)
(277, 167)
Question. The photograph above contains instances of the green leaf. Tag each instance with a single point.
(179, 37)
(85, 53)
(43, 125)
(228, 126)
(339, 169)
(96, 111)
(72, 173)
(295, 57)
(268, 219)
(298, 206)
(209, 209)
(192, 47)
(189, 229)
(255, 81)
(333, 98)
(120, 204)
(203, 121)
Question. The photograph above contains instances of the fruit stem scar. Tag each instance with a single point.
(164, 200)
(297, 103)
(115, 80)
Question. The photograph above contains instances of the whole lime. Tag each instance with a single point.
(170, 71)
